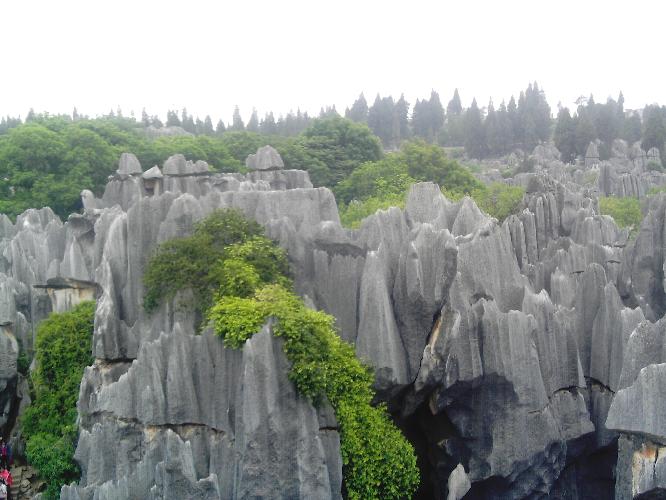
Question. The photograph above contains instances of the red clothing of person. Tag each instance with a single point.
(6, 476)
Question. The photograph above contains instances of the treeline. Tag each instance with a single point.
(48, 160)
(606, 122)
(489, 131)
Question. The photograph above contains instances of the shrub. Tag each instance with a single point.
(655, 166)
(193, 262)
(499, 200)
(378, 462)
(249, 283)
(625, 211)
(62, 351)
(352, 215)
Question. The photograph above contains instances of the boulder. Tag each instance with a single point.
(266, 158)
(129, 165)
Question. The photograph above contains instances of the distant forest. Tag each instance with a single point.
(48, 159)
(489, 131)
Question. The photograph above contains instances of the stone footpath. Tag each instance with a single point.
(26, 483)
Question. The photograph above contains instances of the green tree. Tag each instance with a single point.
(475, 141)
(359, 110)
(340, 146)
(237, 124)
(565, 135)
(62, 351)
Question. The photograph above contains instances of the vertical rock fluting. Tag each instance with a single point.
(500, 349)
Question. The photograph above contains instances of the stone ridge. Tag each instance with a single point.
(501, 348)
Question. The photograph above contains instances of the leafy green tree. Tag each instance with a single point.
(426, 162)
(62, 351)
(386, 176)
(340, 146)
(193, 262)
(625, 211)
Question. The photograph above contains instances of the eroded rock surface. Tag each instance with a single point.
(515, 356)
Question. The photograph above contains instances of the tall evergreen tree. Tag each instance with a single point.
(236, 121)
(401, 116)
(253, 123)
(220, 128)
(268, 125)
(475, 144)
(565, 135)
(172, 119)
(208, 126)
(654, 128)
(359, 110)
(454, 108)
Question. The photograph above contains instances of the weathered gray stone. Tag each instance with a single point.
(129, 165)
(266, 158)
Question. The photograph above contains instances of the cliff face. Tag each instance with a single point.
(513, 356)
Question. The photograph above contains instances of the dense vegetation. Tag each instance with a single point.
(625, 211)
(62, 351)
(384, 183)
(248, 283)
(47, 160)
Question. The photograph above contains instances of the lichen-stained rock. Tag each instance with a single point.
(159, 425)
(641, 469)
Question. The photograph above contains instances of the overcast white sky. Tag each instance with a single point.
(279, 55)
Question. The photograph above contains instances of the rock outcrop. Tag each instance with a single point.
(522, 359)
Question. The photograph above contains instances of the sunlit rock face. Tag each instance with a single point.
(514, 356)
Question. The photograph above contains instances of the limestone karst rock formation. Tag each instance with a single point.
(514, 356)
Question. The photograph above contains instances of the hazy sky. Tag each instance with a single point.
(279, 55)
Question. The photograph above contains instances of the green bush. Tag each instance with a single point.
(352, 214)
(378, 462)
(655, 166)
(193, 262)
(62, 351)
(499, 200)
(247, 278)
(625, 211)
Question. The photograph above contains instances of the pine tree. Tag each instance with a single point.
(172, 119)
(268, 125)
(220, 128)
(454, 108)
(253, 124)
(401, 117)
(359, 110)
(475, 145)
(565, 135)
(237, 122)
(208, 126)
(145, 119)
